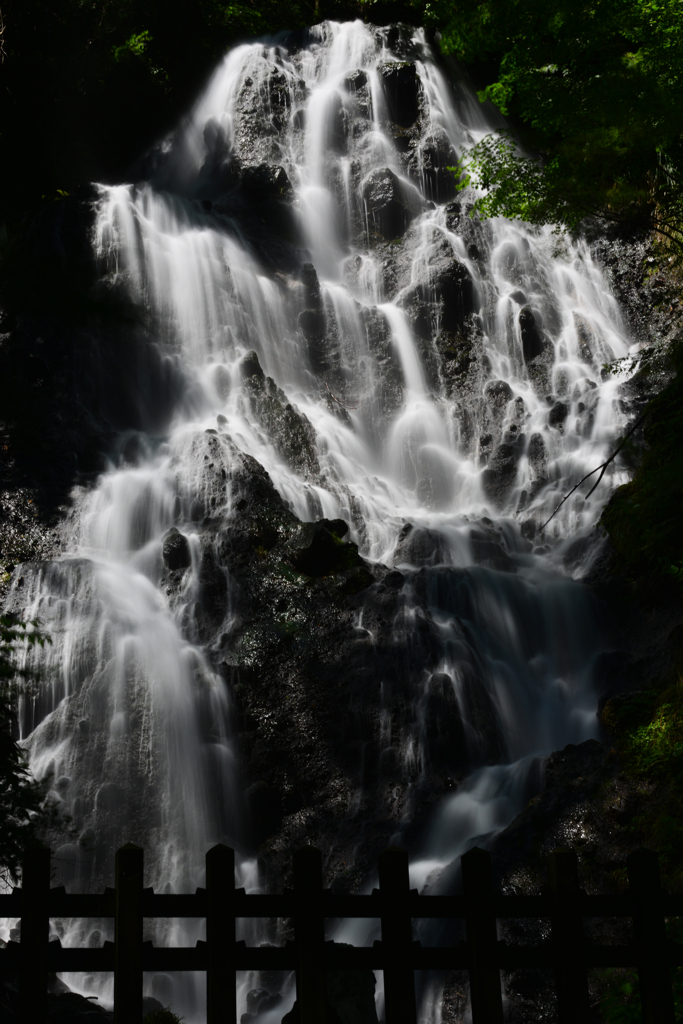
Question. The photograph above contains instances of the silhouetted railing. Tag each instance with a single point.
(568, 951)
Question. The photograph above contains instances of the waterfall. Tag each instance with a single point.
(299, 259)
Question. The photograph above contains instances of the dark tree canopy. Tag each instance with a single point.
(595, 90)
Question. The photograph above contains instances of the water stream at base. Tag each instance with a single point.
(452, 442)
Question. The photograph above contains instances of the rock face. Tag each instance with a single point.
(500, 474)
(390, 203)
(444, 299)
(176, 550)
(533, 343)
(347, 726)
(401, 91)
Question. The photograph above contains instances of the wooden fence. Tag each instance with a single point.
(308, 905)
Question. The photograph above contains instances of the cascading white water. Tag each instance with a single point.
(419, 446)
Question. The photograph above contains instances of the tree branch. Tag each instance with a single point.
(603, 466)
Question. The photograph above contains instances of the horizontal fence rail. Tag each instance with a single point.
(564, 903)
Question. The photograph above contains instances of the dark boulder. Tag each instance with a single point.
(435, 156)
(316, 550)
(266, 182)
(265, 806)
(391, 204)
(585, 338)
(442, 730)
(420, 546)
(452, 289)
(401, 87)
(558, 415)
(497, 394)
(500, 475)
(312, 320)
(445, 298)
(312, 293)
(538, 457)
(533, 342)
(453, 214)
(250, 366)
(337, 527)
(355, 80)
(312, 323)
(176, 550)
(290, 430)
(213, 589)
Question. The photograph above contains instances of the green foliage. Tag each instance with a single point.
(621, 1002)
(597, 93)
(658, 746)
(648, 726)
(136, 45)
(22, 799)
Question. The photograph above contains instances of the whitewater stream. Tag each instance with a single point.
(447, 377)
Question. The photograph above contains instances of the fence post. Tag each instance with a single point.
(309, 925)
(35, 934)
(221, 980)
(128, 935)
(482, 938)
(571, 980)
(397, 937)
(654, 972)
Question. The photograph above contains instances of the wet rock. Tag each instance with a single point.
(250, 366)
(585, 338)
(311, 285)
(265, 807)
(453, 213)
(176, 550)
(488, 549)
(355, 81)
(213, 590)
(255, 997)
(420, 546)
(500, 475)
(533, 342)
(316, 551)
(337, 527)
(434, 156)
(538, 457)
(564, 813)
(289, 429)
(558, 414)
(451, 291)
(497, 395)
(336, 125)
(442, 726)
(401, 87)
(108, 798)
(390, 203)
(266, 182)
(312, 323)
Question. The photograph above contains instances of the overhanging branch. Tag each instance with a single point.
(602, 467)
